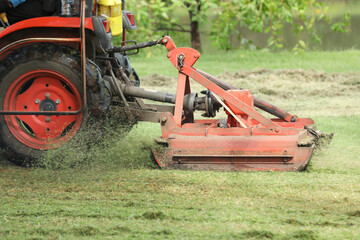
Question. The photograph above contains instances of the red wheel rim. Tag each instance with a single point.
(42, 90)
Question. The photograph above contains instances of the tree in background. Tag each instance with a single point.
(196, 14)
(156, 17)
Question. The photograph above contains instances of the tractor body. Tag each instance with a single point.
(56, 70)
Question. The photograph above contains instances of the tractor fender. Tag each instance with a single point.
(58, 27)
(52, 22)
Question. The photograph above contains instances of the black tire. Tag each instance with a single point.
(15, 133)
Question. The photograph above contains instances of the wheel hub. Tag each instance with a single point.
(48, 105)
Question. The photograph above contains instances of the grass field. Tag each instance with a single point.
(121, 195)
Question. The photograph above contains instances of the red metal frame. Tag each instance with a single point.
(258, 143)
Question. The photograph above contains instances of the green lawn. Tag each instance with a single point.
(121, 195)
(232, 61)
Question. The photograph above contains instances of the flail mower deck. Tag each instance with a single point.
(245, 141)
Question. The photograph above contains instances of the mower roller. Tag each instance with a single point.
(55, 70)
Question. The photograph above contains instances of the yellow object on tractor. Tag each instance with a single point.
(111, 9)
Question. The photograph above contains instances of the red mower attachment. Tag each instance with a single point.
(246, 140)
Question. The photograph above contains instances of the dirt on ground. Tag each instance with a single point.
(309, 91)
(158, 80)
(284, 83)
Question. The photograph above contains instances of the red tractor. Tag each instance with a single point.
(55, 70)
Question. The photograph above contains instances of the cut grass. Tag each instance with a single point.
(122, 196)
(108, 201)
(322, 203)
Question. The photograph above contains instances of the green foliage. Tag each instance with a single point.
(343, 26)
(156, 17)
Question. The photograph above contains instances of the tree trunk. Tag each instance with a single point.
(195, 32)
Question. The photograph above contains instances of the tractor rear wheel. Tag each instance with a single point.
(41, 77)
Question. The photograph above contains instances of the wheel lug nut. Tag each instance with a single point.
(47, 95)
(58, 101)
(48, 119)
(37, 101)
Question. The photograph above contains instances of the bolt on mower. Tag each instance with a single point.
(55, 70)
